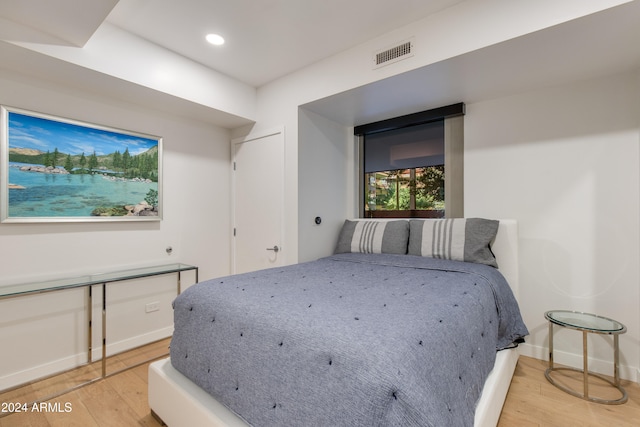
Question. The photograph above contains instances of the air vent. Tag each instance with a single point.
(396, 53)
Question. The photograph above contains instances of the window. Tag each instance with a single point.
(411, 166)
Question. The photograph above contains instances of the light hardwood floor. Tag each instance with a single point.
(121, 400)
(117, 401)
(534, 401)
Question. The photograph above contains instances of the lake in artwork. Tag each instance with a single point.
(55, 195)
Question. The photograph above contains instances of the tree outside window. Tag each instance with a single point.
(403, 168)
(413, 189)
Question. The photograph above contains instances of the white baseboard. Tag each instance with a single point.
(57, 366)
(22, 377)
(604, 367)
(129, 343)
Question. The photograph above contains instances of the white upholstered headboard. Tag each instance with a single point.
(505, 249)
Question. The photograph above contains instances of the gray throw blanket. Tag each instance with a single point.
(348, 340)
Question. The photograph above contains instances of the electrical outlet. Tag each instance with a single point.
(152, 306)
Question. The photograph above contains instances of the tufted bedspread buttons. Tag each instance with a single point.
(339, 300)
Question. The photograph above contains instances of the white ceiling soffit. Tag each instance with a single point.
(60, 22)
(605, 43)
(25, 64)
(266, 39)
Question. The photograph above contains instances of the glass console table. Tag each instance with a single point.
(586, 323)
(89, 281)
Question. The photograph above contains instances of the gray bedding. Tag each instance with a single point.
(348, 340)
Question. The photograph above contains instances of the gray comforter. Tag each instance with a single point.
(348, 340)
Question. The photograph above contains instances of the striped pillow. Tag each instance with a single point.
(373, 237)
(459, 239)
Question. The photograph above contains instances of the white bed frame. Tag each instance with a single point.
(177, 401)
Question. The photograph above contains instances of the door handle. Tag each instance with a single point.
(275, 249)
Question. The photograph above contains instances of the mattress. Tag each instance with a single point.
(352, 339)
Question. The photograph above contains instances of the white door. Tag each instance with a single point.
(258, 206)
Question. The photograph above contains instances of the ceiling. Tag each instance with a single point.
(265, 39)
(602, 44)
(64, 22)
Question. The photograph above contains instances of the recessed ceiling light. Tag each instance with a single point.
(215, 39)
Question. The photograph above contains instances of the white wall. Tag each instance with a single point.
(278, 101)
(565, 163)
(324, 182)
(114, 52)
(196, 189)
(47, 331)
(563, 160)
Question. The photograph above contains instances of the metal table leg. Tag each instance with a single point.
(585, 365)
(104, 330)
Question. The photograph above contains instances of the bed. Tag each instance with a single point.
(358, 338)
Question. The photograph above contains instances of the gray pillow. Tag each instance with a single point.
(460, 239)
(367, 236)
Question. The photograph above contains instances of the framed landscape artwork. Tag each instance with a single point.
(59, 170)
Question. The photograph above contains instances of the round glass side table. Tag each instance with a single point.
(587, 323)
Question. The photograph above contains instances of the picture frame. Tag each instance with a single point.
(54, 169)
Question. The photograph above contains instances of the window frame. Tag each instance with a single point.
(454, 157)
